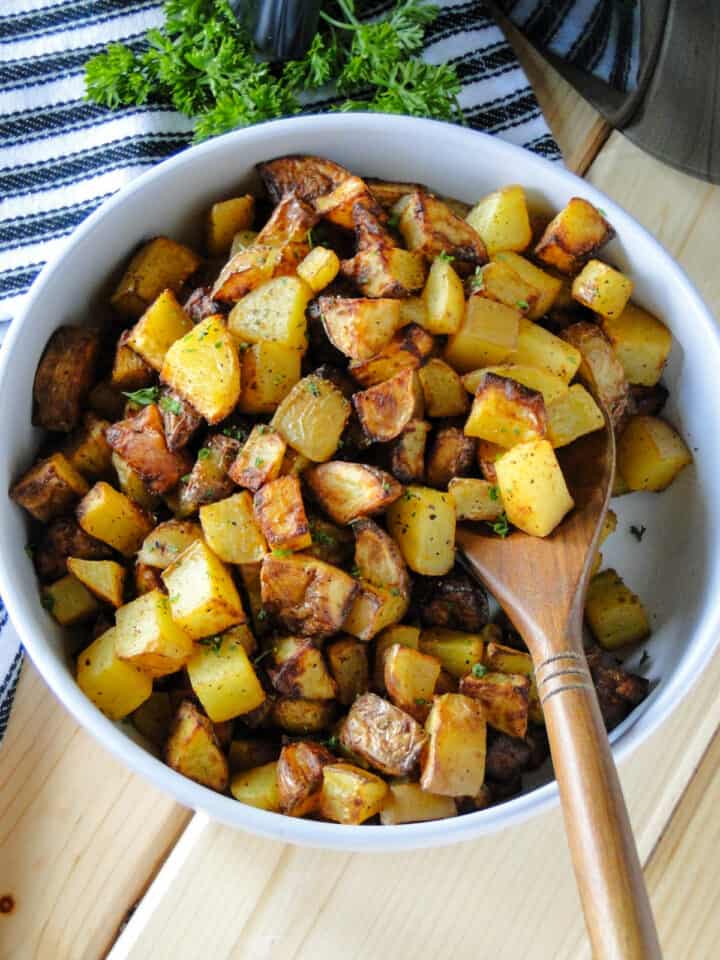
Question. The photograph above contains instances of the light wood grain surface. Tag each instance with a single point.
(99, 864)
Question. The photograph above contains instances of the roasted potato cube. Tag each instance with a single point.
(650, 454)
(409, 803)
(572, 415)
(275, 312)
(504, 698)
(133, 485)
(546, 286)
(153, 717)
(501, 218)
(300, 777)
(378, 558)
(203, 598)
(245, 754)
(383, 735)
(307, 176)
(231, 529)
(223, 678)
(454, 765)
(167, 541)
(268, 373)
(412, 310)
(204, 368)
(475, 499)
(300, 671)
(600, 367)
(642, 344)
(548, 384)
(443, 390)
(309, 597)
(399, 633)
(86, 448)
(374, 608)
(225, 219)
(410, 678)
(69, 601)
(602, 289)
(241, 241)
(573, 236)
(429, 226)
(488, 334)
(280, 513)
(532, 487)
(380, 268)
(455, 650)
(422, 522)
(537, 347)
(294, 463)
(338, 205)
(350, 794)
(160, 326)
(456, 601)
(63, 539)
(407, 453)
(614, 613)
(444, 298)
(291, 221)
(103, 578)
(348, 662)
(260, 459)
(319, 268)
(487, 455)
(209, 480)
(160, 264)
(502, 659)
(408, 348)
(330, 543)
(359, 327)
(386, 409)
(312, 418)
(452, 454)
(300, 717)
(253, 266)
(140, 442)
(110, 516)
(506, 413)
(115, 687)
(347, 491)
(258, 787)
(50, 487)
(498, 281)
(64, 377)
(147, 636)
(193, 749)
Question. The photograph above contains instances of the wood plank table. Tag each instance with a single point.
(96, 863)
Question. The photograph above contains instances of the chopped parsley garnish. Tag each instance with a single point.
(355, 571)
(493, 492)
(262, 614)
(420, 701)
(478, 670)
(235, 433)
(477, 281)
(522, 304)
(204, 453)
(218, 344)
(394, 220)
(324, 539)
(313, 388)
(259, 462)
(309, 238)
(261, 656)
(637, 532)
(333, 742)
(185, 479)
(445, 256)
(30, 550)
(143, 397)
(170, 405)
(213, 642)
(282, 553)
(601, 211)
(501, 526)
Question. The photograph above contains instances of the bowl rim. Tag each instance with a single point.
(368, 838)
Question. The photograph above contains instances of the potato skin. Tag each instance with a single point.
(300, 777)
(307, 176)
(180, 419)
(407, 453)
(347, 491)
(429, 226)
(452, 455)
(455, 601)
(49, 488)
(600, 366)
(309, 597)
(289, 222)
(64, 376)
(193, 749)
(62, 539)
(209, 480)
(140, 441)
(383, 735)
(387, 408)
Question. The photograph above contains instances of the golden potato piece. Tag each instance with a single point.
(348, 662)
(274, 313)
(148, 637)
(158, 328)
(347, 491)
(429, 226)
(300, 777)
(378, 558)
(269, 372)
(160, 264)
(359, 327)
(50, 487)
(454, 765)
(64, 377)
(114, 686)
(110, 516)
(167, 541)
(399, 633)
(86, 448)
(309, 597)
(505, 412)
(502, 659)
(350, 794)
(312, 418)
(422, 522)
(456, 650)
(69, 601)
(475, 499)
(300, 671)
(545, 286)
(225, 219)
(253, 266)
(339, 205)
(373, 609)
(600, 367)
(501, 218)
(614, 613)
(383, 735)
(280, 513)
(602, 289)
(380, 268)
(548, 384)
(260, 459)
(537, 347)
(532, 487)
(223, 678)
(408, 348)
(231, 530)
(504, 698)
(258, 787)
(386, 409)
(650, 454)
(300, 717)
(410, 678)
(641, 342)
(319, 268)
(443, 390)
(203, 598)
(193, 749)
(443, 297)
(140, 442)
(409, 803)
(572, 415)
(488, 334)
(573, 236)
(104, 578)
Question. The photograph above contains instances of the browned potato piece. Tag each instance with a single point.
(500, 282)
(312, 418)
(300, 671)
(380, 268)
(280, 512)
(600, 366)
(507, 758)
(309, 597)
(247, 753)
(429, 226)
(306, 176)
(383, 735)
(573, 236)
(338, 206)
(69, 601)
(129, 371)
(401, 633)
(388, 192)
(63, 539)
(330, 543)
(454, 765)
(487, 456)
(209, 480)
(359, 327)
(475, 499)
(63, 377)
(255, 265)
(299, 717)
(348, 662)
(140, 441)
(387, 408)
(350, 794)
(451, 455)
(146, 578)
(504, 698)
(505, 412)
(378, 558)
(105, 401)
(373, 609)
(410, 678)
(260, 459)
(193, 750)
(300, 777)
(180, 419)
(290, 222)
(409, 347)
(347, 491)
(86, 447)
(443, 390)
(161, 263)
(50, 487)
(618, 690)
(407, 453)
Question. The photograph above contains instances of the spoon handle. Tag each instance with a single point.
(609, 876)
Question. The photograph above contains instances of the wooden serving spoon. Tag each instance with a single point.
(541, 585)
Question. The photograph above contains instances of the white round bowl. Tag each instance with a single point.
(676, 568)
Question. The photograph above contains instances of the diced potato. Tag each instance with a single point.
(133, 485)
(452, 454)
(456, 651)
(350, 794)
(161, 264)
(148, 637)
(331, 543)
(209, 480)
(378, 558)
(348, 662)
(410, 678)
(386, 409)
(167, 541)
(86, 449)
(146, 578)
(246, 753)
(339, 205)
(406, 636)
(454, 765)
(380, 269)
(300, 777)
(49, 488)
(602, 289)
(160, 326)
(242, 240)
(498, 281)
(310, 597)
(140, 441)
(475, 499)
(63, 377)
(407, 452)
(502, 659)
(291, 221)
(115, 687)
(422, 522)
(443, 390)
(532, 487)
(383, 735)
(574, 235)
(412, 310)
(506, 413)
(260, 459)
(374, 608)
(268, 373)
(224, 679)
(650, 454)
(572, 416)
(225, 219)
(409, 347)
(409, 803)
(537, 347)
(548, 384)
(110, 516)
(204, 368)
(258, 787)
(429, 226)
(360, 327)
(129, 370)
(280, 513)
(299, 717)
(487, 335)
(504, 698)
(104, 578)
(547, 286)
(312, 418)
(600, 367)
(487, 455)
(193, 749)
(300, 671)
(69, 601)
(444, 299)
(231, 530)
(614, 613)
(347, 491)
(319, 268)
(274, 312)
(294, 463)
(153, 717)
(203, 598)
(642, 344)
(253, 266)
(239, 634)
(501, 218)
